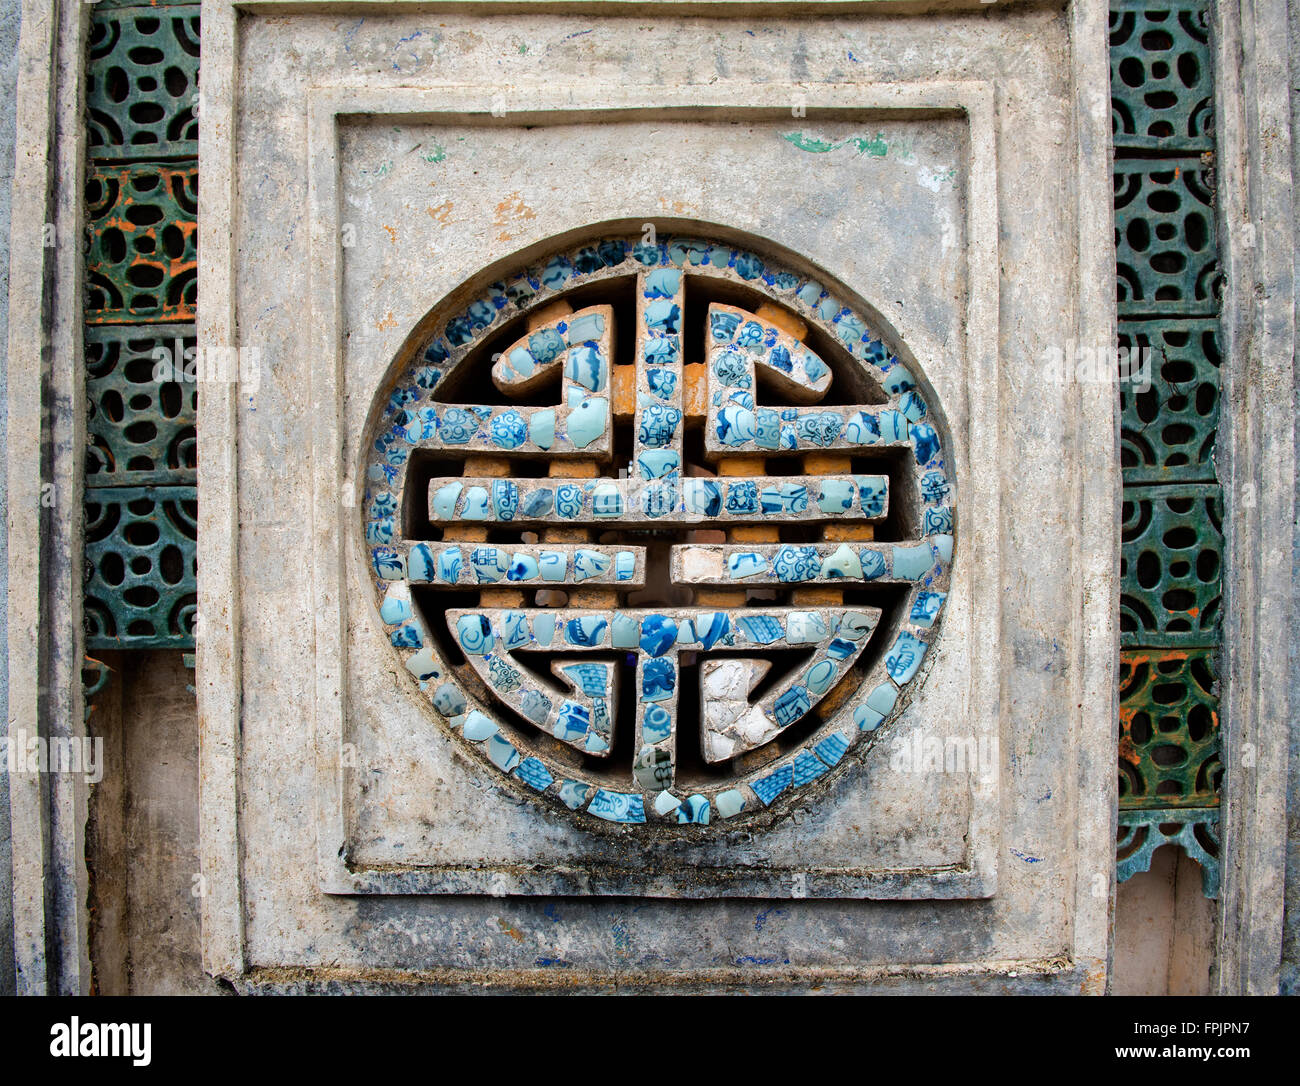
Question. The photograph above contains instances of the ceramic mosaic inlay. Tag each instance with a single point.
(681, 572)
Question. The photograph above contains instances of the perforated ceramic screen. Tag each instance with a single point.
(661, 528)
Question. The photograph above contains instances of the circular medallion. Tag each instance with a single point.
(661, 529)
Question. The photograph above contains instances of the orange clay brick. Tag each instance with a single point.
(742, 465)
(548, 313)
(464, 533)
(838, 695)
(754, 533)
(848, 533)
(486, 467)
(593, 597)
(782, 318)
(564, 535)
(573, 469)
(827, 464)
(816, 597)
(719, 597)
(622, 384)
(695, 390)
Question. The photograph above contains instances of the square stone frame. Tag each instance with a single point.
(971, 102)
(1095, 550)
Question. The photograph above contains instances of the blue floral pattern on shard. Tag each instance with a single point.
(566, 380)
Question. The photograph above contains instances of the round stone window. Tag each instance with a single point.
(661, 529)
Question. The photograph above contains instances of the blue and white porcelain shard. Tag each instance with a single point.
(423, 666)
(712, 629)
(745, 564)
(588, 564)
(625, 632)
(761, 629)
(873, 565)
(420, 565)
(536, 705)
(478, 727)
(573, 721)
(445, 499)
(523, 567)
(796, 563)
(397, 605)
(819, 677)
(586, 328)
(490, 564)
(854, 625)
(617, 806)
(742, 497)
(735, 425)
(534, 774)
(805, 627)
(546, 345)
(514, 630)
(658, 680)
(771, 786)
(937, 521)
(586, 367)
(925, 608)
(836, 496)
(701, 497)
(806, 768)
(587, 422)
(476, 504)
(504, 756)
(658, 633)
(474, 632)
(666, 803)
(657, 725)
(449, 700)
(656, 463)
(831, 749)
(791, 705)
(658, 425)
(840, 649)
(842, 564)
(554, 565)
(568, 500)
(661, 382)
(508, 430)
(729, 803)
(449, 565)
(587, 631)
(541, 428)
(912, 563)
(905, 657)
(607, 501)
(695, 809)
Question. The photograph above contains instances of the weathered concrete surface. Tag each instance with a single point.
(1046, 925)
(1290, 972)
(1257, 462)
(143, 831)
(9, 26)
(1164, 930)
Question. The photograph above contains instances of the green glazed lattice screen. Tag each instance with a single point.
(1168, 286)
(141, 273)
